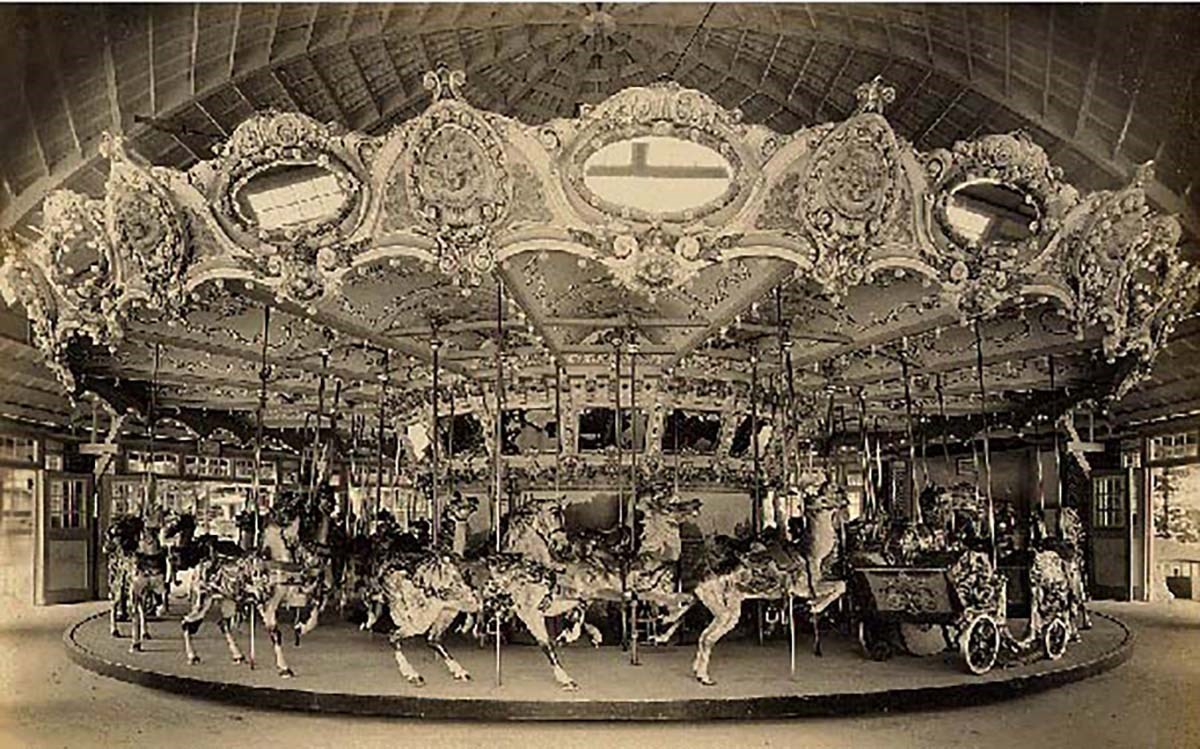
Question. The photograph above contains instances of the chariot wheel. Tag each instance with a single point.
(980, 644)
(1055, 638)
(873, 646)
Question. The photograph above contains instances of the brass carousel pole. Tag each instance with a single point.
(987, 453)
(151, 417)
(316, 444)
(383, 383)
(434, 508)
(558, 443)
(450, 446)
(756, 520)
(915, 506)
(1058, 477)
(675, 418)
(263, 374)
(618, 430)
(633, 490)
(498, 466)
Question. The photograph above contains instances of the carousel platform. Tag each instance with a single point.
(342, 670)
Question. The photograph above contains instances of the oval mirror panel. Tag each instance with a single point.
(657, 174)
(990, 212)
(289, 195)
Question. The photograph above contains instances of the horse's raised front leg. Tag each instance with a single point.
(138, 616)
(269, 611)
(677, 606)
(434, 640)
(192, 621)
(534, 619)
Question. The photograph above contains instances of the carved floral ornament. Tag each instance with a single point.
(842, 201)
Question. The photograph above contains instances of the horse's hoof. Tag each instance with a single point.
(570, 686)
(286, 673)
(464, 676)
(193, 659)
(239, 659)
(705, 681)
(115, 633)
(147, 636)
(416, 681)
(135, 648)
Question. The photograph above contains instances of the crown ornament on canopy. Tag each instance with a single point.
(464, 190)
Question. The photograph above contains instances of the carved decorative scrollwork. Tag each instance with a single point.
(656, 260)
(1124, 271)
(457, 180)
(851, 190)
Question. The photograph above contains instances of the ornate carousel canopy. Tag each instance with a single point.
(666, 244)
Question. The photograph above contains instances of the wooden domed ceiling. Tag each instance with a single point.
(1098, 88)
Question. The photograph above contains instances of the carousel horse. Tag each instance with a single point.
(774, 570)
(1070, 547)
(424, 590)
(136, 570)
(264, 580)
(592, 566)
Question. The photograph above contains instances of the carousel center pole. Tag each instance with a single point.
(498, 466)
(435, 507)
(987, 457)
(263, 374)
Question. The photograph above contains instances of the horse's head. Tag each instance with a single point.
(124, 534)
(459, 509)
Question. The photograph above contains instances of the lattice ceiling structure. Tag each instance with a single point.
(1096, 91)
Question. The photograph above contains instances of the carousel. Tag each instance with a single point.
(646, 413)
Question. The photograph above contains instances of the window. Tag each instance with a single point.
(18, 449)
(1174, 446)
(67, 504)
(1108, 502)
(697, 432)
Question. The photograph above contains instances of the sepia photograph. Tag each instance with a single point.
(567, 375)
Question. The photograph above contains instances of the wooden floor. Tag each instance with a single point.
(341, 669)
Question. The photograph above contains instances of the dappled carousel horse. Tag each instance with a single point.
(136, 569)
(596, 566)
(423, 589)
(774, 570)
(265, 580)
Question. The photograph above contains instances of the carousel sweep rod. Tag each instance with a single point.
(263, 374)
(633, 490)
(987, 453)
(435, 507)
(498, 436)
(383, 386)
(912, 448)
(785, 366)
(1058, 483)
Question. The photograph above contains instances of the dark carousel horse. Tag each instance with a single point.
(136, 571)
(283, 570)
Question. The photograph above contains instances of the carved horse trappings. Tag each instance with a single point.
(774, 571)
(136, 568)
(284, 571)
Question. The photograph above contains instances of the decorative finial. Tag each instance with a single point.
(1143, 174)
(444, 82)
(873, 96)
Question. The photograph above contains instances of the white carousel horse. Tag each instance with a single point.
(773, 574)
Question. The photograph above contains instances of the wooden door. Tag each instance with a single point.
(1109, 565)
(65, 562)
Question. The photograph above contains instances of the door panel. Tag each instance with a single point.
(66, 572)
(1110, 540)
